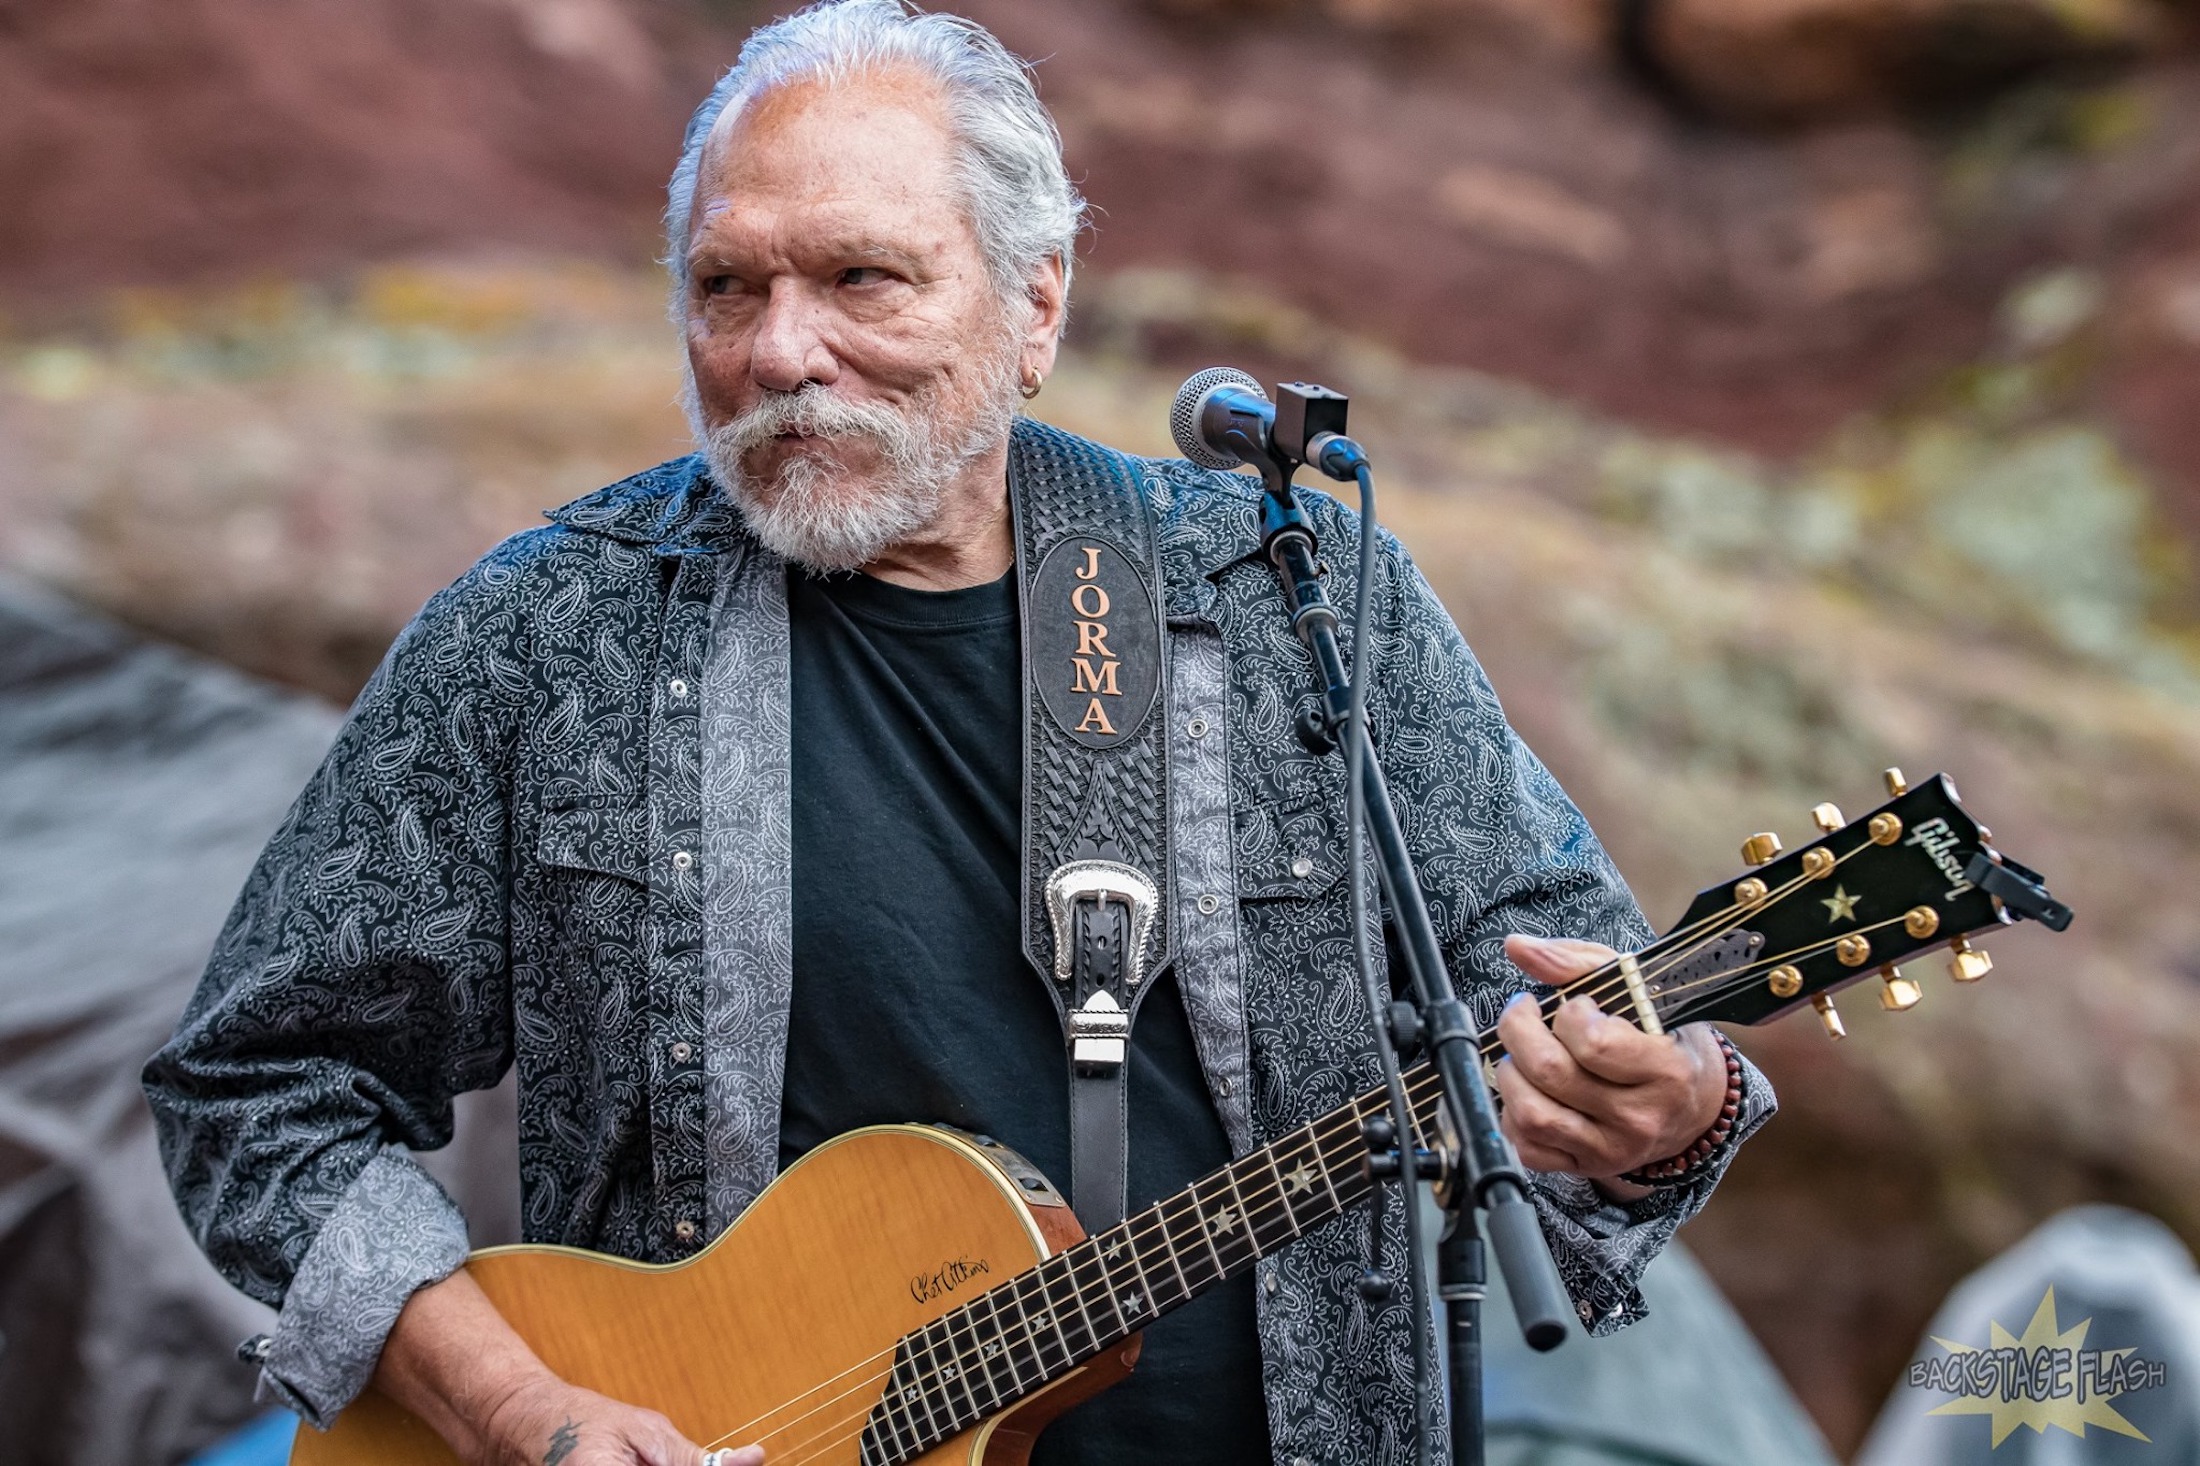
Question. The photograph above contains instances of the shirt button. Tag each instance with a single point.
(678, 688)
(684, 1230)
(1302, 867)
(1197, 727)
(1271, 1282)
(1222, 1087)
(1209, 905)
(681, 860)
(681, 1051)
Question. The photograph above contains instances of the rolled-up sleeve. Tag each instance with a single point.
(1503, 850)
(361, 981)
(392, 1232)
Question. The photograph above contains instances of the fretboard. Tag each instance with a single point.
(988, 1353)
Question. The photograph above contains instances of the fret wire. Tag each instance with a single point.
(1264, 1195)
(1144, 1288)
(1007, 1354)
(1321, 1166)
(1068, 1259)
(1065, 1269)
(954, 1372)
(1136, 1249)
(883, 1416)
(1263, 1183)
(979, 1342)
(927, 1433)
(1283, 1192)
(1056, 1268)
(1187, 1267)
(932, 1383)
(960, 1364)
(1244, 1220)
(1053, 1312)
(1160, 1215)
(1245, 1212)
(938, 1403)
(1097, 1258)
(1206, 1227)
(1229, 1225)
(1032, 1336)
(1107, 1244)
(906, 1430)
(1190, 1197)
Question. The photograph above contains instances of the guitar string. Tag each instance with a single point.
(1613, 975)
(1316, 1140)
(1715, 924)
(836, 1434)
(1744, 976)
(1712, 924)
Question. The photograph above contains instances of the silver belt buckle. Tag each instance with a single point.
(1099, 1029)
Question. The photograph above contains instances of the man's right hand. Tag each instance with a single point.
(453, 1361)
(548, 1422)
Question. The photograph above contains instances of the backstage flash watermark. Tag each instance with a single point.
(2046, 1376)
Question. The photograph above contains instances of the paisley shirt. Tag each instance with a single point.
(554, 833)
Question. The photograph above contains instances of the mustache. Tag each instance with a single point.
(815, 411)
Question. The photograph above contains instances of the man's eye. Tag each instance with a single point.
(862, 275)
(717, 284)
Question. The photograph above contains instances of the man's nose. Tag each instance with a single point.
(790, 348)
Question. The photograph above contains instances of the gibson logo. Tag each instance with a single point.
(1938, 841)
(925, 1287)
(1095, 645)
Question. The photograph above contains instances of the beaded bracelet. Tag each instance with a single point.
(1690, 1164)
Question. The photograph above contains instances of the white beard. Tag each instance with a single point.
(815, 514)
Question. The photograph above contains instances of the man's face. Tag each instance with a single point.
(850, 353)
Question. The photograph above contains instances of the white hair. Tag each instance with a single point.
(1009, 154)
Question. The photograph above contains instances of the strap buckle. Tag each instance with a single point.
(1099, 882)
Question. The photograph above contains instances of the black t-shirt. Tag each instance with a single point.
(912, 998)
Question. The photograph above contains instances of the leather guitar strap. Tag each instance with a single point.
(1095, 796)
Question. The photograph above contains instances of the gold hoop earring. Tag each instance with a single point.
(1030, 385)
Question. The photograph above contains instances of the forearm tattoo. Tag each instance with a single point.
(562, 1442)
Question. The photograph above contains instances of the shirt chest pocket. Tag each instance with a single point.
(604, 840)
(583, 928)
(1292, 851)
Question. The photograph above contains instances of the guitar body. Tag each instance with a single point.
(866, 1238)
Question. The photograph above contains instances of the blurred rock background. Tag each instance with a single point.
(1775, 390)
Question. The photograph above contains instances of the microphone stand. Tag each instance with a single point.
(1476, 1163)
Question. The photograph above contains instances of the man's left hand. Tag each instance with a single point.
(1593, 1094)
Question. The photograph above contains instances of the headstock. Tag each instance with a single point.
(1916, 874)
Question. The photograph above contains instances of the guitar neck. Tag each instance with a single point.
(983, 1356)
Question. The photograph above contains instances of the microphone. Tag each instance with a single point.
(1222, 419)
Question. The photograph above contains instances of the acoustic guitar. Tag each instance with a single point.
(915, 1293)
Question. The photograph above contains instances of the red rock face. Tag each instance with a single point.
(158, 141)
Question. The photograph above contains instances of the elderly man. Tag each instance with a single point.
(701, 807)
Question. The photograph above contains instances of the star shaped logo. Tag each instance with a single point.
(1300, 1180)
(1222, 1219)
(1841, 904)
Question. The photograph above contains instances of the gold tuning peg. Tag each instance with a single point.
(1761, 847)
(1896, 784)
(1966, 962)
(1897, 993)
(1835, 1028)
(1827, 817)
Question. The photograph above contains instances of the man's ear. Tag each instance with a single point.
(1049, 297)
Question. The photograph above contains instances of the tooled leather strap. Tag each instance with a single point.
(1095, 816)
